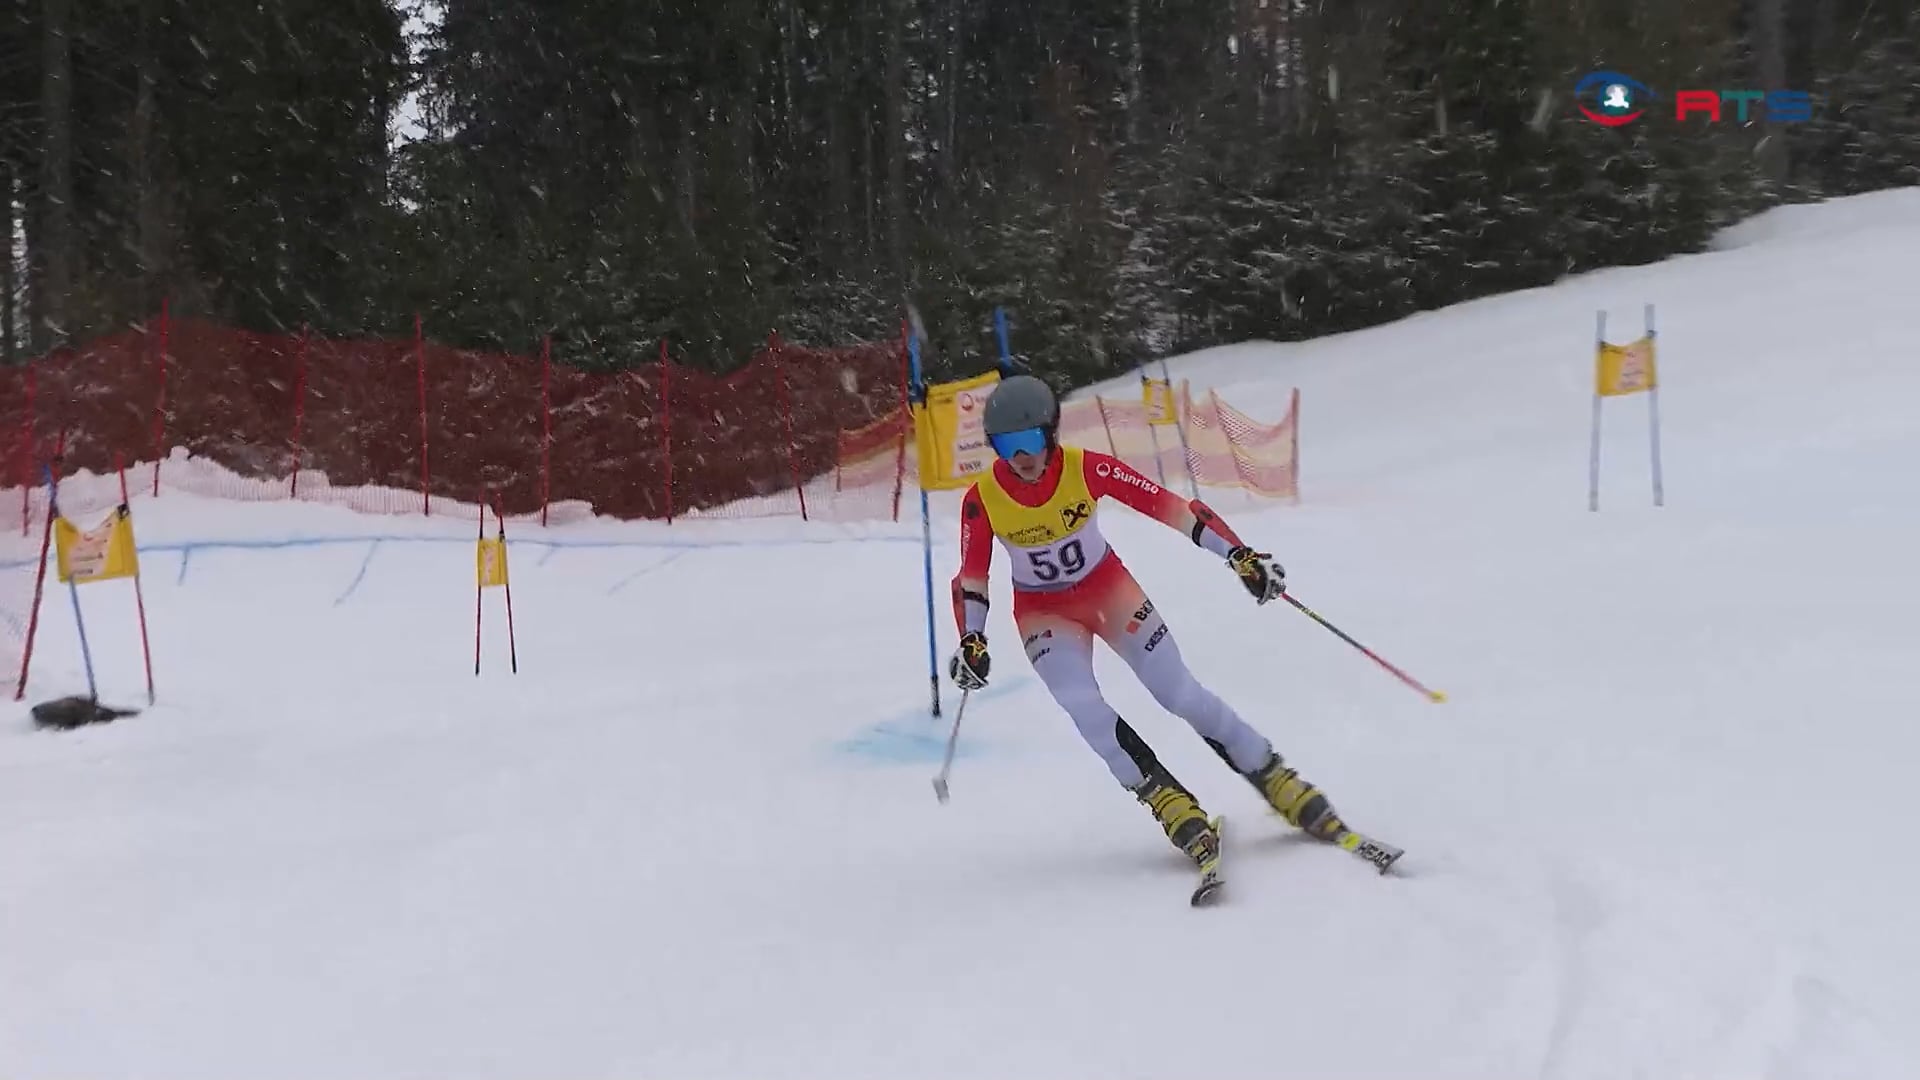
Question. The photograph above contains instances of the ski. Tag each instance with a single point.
(1377, 852)
(1210, 876)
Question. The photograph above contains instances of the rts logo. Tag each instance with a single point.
(1617, 99)
(1611, 99)
(1781, 106)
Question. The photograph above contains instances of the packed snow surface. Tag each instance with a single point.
(1654, 832)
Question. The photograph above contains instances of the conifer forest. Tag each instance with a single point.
(1126, 177)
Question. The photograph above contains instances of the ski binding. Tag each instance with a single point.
(1210, 877)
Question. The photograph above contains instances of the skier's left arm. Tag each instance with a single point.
(1108, 476)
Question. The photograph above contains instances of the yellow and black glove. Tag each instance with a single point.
(970, 663)
(1258, 572)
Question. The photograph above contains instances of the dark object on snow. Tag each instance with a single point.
(76, 711)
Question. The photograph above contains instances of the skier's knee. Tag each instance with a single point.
(1180, 693)
(1081, 701)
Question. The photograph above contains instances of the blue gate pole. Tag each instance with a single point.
(919, 396)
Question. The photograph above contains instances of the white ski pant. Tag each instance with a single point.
(1058, 629)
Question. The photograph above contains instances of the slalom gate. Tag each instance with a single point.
(1622, 371)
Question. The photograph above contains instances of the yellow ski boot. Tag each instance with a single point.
(1180, 815)
(1304, 806)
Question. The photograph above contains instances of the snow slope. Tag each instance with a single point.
(1651, 834)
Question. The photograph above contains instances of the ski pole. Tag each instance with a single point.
(1432, 695)
(953, 737)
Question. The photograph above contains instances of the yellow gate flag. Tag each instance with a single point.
(490, 559)
(99, 554)
(1625, 369)
(947, 434)
(1157, 396)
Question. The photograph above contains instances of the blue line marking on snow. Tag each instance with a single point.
(645, 570)
(552, 550)
(896, 745)
(186, 556)
(916, 737)
(275, 543)
(359, 577)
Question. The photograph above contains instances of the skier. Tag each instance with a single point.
(1040, 500)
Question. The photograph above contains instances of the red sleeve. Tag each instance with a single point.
(1109, 476)
(976, 558)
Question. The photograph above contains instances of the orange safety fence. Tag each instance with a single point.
(1213, 446)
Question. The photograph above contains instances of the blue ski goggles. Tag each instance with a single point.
(1031, 440)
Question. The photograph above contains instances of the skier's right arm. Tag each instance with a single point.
(976, 559)
(970, 662)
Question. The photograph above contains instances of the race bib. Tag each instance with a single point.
(1062, 562)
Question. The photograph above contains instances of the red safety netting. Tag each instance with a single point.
(390, 425)
(408, 426)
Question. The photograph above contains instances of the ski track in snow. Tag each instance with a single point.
(1576, 916)
(695, 837)
(359, 576)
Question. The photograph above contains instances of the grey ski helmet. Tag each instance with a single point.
(1019, 403)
